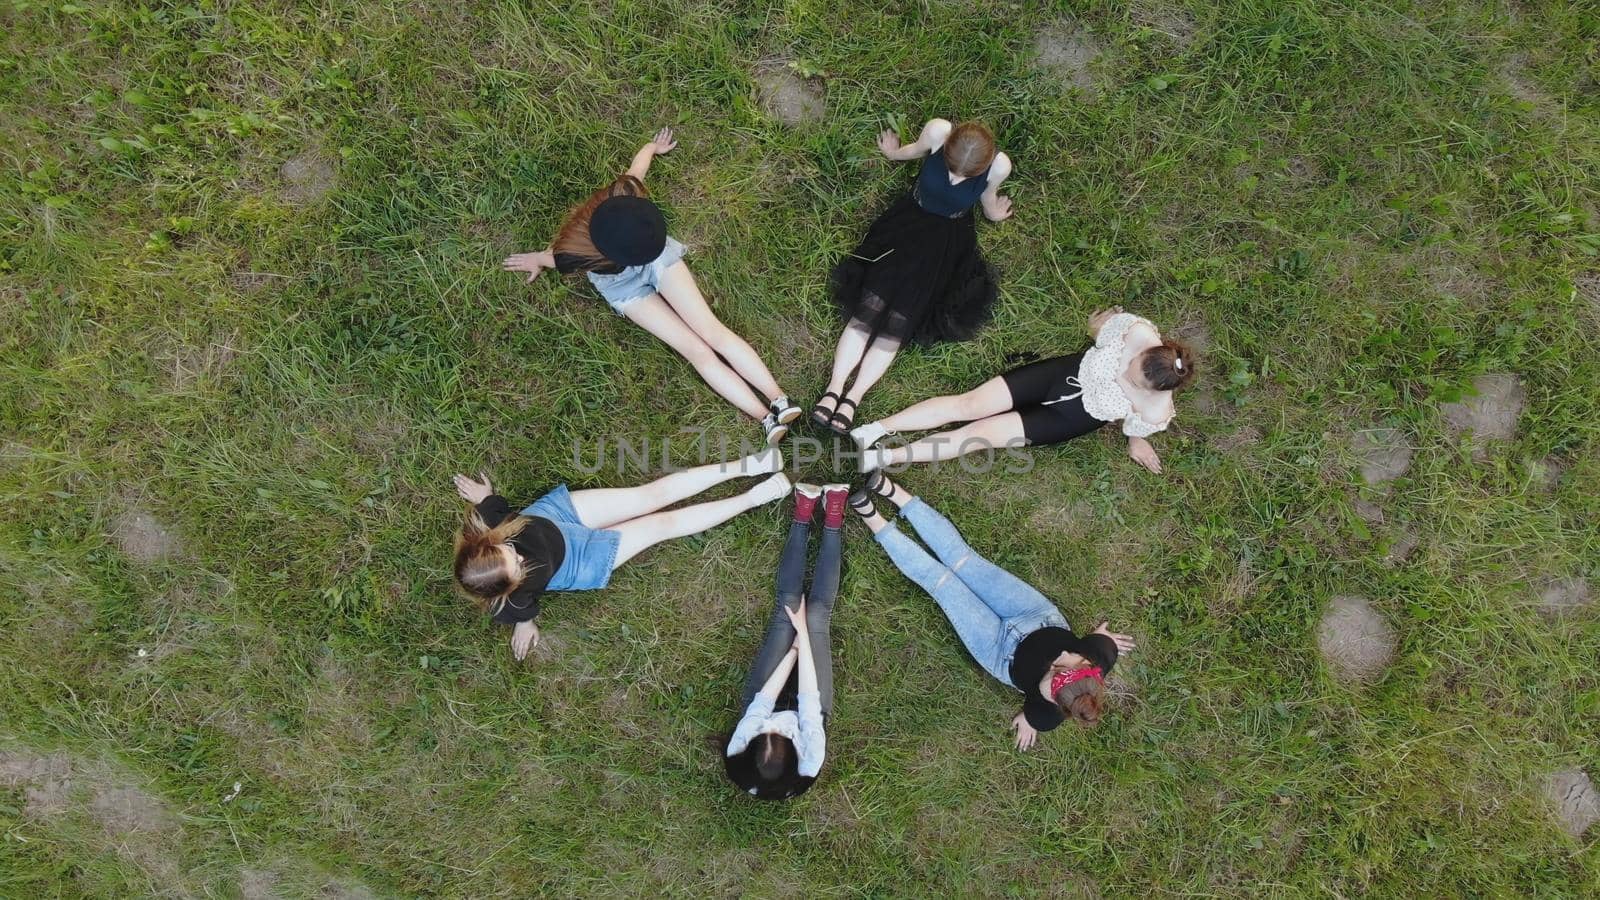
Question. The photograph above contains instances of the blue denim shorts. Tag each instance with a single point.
(591, 552)
(636, 282)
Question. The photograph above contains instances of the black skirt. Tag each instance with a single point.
(917, 277)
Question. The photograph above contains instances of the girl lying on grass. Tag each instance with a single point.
(619, 239)
(1014, 632)
(1129, 375)
(777, 755)
(574, 540)
(917, 275)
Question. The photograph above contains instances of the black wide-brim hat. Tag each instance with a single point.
(630, 231)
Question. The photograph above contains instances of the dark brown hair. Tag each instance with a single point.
(969, 149)
(573, 243)
(1168, 365)
(768, 768)
(1082, 700)
(480, 568)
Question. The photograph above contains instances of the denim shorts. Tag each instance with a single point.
(636, 282)
(591, 552)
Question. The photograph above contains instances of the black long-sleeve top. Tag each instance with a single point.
(542, 549)
(1033, 657)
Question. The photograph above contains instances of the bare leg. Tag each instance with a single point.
(683, 295)
(605, 507)
(873, 364)
(995, 432)
(655, 316)
(847, 355)
(647, 531)
(988, 399)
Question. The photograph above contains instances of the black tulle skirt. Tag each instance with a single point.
(917, 277)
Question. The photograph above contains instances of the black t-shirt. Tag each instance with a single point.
(567, 263)
(1033, 657)
(542, 548)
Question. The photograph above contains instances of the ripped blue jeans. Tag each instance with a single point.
(991, 609)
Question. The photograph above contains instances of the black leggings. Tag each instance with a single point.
(819, 610)
(1034, 385)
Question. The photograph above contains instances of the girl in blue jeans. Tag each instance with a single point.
(1014, 632)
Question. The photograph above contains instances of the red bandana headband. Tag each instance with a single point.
(1062, 679)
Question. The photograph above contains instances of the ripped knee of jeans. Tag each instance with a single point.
(961, 562)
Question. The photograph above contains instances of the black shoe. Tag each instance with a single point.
(841, 422)
(822, 416)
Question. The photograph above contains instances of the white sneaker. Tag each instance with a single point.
(873, 459)
(785, 411)
(868, 434)
(764, 463)
(776, 431)
(774, 488)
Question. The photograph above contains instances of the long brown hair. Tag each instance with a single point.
(1168, 366)
(1082, 700)
(969, 149)
(480, 568)
(572, 238)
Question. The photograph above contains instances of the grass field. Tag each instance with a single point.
(252, 319)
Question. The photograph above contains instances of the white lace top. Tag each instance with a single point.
(1097, 378)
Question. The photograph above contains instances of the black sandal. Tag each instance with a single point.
(823, 418)
(843, 430)
(861, 502)
(875, 483)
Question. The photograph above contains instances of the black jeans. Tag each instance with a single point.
(819, 610)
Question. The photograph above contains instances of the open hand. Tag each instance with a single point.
(1026, 735)
(473, 492)
(1001, 209)
(524, 637)
(663, 142)
(889, 142)
(1124, 642)
(797, 616)
(532, 263)
(1144, 454)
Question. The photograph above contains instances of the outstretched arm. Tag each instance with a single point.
(663, 143)
(932, 138)
(995, 206)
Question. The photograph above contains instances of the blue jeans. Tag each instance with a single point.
(991, 609)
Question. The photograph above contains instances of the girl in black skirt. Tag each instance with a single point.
(918, 275)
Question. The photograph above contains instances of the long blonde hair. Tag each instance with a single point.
(480, 569)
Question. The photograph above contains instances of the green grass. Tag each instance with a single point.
(1362, 205)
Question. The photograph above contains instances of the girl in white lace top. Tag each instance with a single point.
(1128, 376)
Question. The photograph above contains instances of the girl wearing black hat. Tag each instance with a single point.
(619, 239)
(1014, 632)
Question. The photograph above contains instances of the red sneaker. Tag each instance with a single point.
(835, 496)
(805, 501)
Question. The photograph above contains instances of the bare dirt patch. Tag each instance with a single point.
(1401, 546)
(1248, 436)
(1572, 795)
(1071, 53)
(309, 177)
(1547, 473)
(1521, 84)
(1385, 454)
(1173, 23)
(1493, 412)
(789, 98)
(1301, 168)
(190, 364)
(143, 538)
(1356, 642)
(1192, 330)
(138, 825)
(1369, 512)
(1564, 596)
